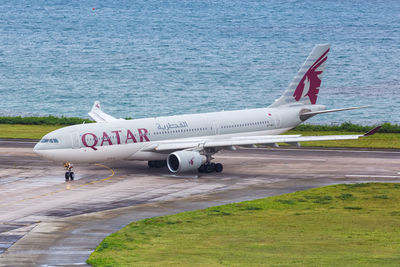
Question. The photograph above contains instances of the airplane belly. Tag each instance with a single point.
(89, 155)
(147, 155)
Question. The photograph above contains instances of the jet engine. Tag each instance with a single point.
(183, 161)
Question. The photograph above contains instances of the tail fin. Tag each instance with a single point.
(305, 86)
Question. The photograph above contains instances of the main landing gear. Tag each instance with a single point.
(211, 167)
(69, 174)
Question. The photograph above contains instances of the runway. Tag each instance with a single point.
(47, 221)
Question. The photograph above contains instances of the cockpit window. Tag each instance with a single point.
(51, 140)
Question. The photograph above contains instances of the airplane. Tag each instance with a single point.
(185, 143)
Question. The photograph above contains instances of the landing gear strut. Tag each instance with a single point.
(209, 167)
(69, 174)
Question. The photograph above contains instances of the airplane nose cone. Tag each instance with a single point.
(37, 148)
(40, 150)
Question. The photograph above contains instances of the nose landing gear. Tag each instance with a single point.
(69, 174)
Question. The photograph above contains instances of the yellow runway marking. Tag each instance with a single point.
(68, 187)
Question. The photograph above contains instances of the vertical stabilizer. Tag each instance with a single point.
(305, 86)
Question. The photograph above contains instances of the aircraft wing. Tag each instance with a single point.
(98, 115)
(198, 143)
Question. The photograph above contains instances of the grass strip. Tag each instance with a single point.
(340, 225)
(379, 140)
(19, 131)
(349, 127)
(49, 120)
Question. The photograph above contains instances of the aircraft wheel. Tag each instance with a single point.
(202, 168)
(218, 167)
(157, 163)
(150, 163)
(71, 176)
(161, 163)
(210, 167)
(67, 176)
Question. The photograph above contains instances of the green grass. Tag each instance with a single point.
(341, 225)
(349, 127)
(49, 120)
(26, 131)
(379, 140)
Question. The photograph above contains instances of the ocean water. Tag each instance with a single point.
(152, 58)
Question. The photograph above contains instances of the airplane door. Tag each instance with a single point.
(75, 140)
(214, 127)
(277, 120)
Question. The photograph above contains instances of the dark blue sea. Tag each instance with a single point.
(150, 58)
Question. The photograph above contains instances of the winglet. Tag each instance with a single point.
(373, 131)
(98, 115)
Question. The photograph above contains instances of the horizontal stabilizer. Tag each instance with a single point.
(307, 115)
(98, 115)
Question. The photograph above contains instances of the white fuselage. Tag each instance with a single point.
(127, 139)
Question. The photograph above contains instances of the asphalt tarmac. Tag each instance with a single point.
(45, 221)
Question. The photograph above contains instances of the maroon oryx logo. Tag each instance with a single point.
(191, 161)
(312, 79)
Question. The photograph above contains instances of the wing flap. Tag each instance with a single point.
(220, 143)
(177, 144)
(267, 140)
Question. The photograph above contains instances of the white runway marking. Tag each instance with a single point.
(180, 176)
(270, 158)
(372, 176)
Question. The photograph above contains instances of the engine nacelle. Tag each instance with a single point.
(183, 161)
